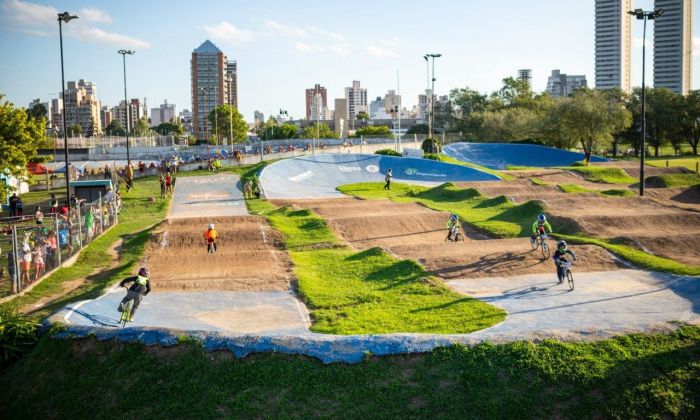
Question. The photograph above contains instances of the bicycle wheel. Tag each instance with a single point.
(533, 243)
(570, 279)
(459, 237)
(545, 250)
(124, 319)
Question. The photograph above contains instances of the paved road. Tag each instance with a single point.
(269, 313)
(602, 303)
(208, 196)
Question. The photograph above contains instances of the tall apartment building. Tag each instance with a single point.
(82, 107)
(356, 100)
(392, 102)
(214, 83)
(119, 113)
(105, 116)
(316, 98)
(525, 75)
(164, 113)
(424, 104)
(673, 45)
(562, 85)
(613, 45)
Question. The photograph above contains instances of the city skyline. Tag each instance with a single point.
(278, 61)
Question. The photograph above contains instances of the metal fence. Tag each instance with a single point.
(33, 246)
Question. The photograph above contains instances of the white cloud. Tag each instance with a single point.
(389, 42)
(380, 52)
(304, 48)
(285, 29)
(229, 33)
(94, 15)
(99, 36)
(23, 13)
(336, 36)
(32, 19)
(342, 49)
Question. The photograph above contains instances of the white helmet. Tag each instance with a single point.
(211, 226)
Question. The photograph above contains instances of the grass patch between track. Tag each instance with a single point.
(673, 180)
(368, 292)
(602, 174)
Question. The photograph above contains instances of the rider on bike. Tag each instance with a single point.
(560, 258)
(453, 226)
(210, 235)
(540, 226)
(140, 288)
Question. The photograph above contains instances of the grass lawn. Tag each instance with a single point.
(673, 180)
(636, 376)
(573, 188)
(502, 218)
(602, 174)
(368, 292)
(537, 181)
(687, 162)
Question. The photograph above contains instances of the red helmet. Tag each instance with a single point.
(143, 271)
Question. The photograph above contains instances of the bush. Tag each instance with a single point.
(432, 156)
(387, 152)
(431, 146)
(18, 334)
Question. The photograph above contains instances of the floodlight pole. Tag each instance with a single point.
(126, 103)
(64, 17)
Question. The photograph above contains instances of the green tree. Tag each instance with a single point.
(662, 119)
(323, 132)
(230, 123)
(19, 137)
(168, 128)
(379, 130)
(508, 124)
(592, 119)
(514, 93)
(74, 130)
(37, 111)
(114, 128)
(690, 119)
(418, 129)
(141, 128)
(362, 116)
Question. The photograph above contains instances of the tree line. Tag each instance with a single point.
(592, 120)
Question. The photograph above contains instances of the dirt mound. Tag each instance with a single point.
(249, 256)
(680, 247)
(418, 233)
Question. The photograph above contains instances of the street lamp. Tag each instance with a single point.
(64, 17)
(126, 103)
(644, 15)
(432, 93)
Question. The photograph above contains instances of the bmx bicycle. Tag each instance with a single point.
(541, 241)
(454, 235)
(125, 317)
(566, 266)
(211, 247)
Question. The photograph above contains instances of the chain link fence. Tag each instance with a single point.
(33, 246)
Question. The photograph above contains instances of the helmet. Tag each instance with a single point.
(143, 271)
(211, 226)
(454, 217)
(542, 217)
(561, 245)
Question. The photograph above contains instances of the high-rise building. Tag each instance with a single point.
(613, 45)
(673, 45)
(214, 83)
(562, 85)
(164, 113)
(356, 100)
(82, 107)
(258, 118)
(119, 113)
(312, 101)
(392, 102)
(525, 75)
(340, 117)
(105, 116)
(424, 104)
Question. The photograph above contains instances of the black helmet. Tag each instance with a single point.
(143, 271)
(561, 245)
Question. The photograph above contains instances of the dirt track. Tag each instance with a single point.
(249, 256)
(412, 231)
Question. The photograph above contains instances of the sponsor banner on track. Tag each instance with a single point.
(373, 169)
(416, 172)
(302, 176)
(349, 169)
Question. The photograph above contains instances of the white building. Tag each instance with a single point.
(356, 100)
(562, 85)
(377, 109)
(424, 104)
(613, 45)
(318, 109)
(164, 113)
(673, 45)
(82, 107)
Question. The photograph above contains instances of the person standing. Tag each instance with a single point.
(53, 204)
(163, 189)
(39, 264)
(387, 179)
(39, 216)
(13, 205)
(129, 176)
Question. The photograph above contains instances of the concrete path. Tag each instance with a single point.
(208, 196)
(231, 313)
(602, 303)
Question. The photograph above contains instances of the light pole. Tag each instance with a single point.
(64, 17)
(644, 15)
(432, 94)
(126, 103)
(230, 109)
(427, 89)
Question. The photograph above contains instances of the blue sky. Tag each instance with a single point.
(283, 47)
